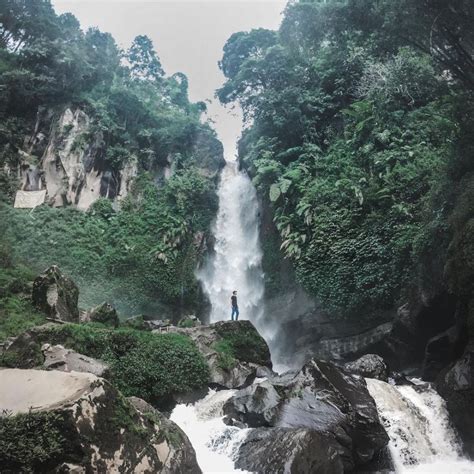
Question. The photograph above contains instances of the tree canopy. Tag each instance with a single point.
(358, 117)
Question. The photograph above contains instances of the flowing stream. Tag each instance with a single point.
(421, 437)
(415, 417)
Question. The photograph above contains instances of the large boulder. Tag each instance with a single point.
(104, 313)
(441, 351)
(320, 398)
(456, 386)
(59, 358)
(256, 405)
(56, 295)
(234, 351)
(370, 365)
(285, 450)
(76, 422)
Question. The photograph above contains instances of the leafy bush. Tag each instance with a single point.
(20, 451)
(225, 354)
(17, 313)
(142, 364)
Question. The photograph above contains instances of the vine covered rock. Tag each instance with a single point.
(234, 351)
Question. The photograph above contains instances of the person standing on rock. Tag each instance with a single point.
(235, 306)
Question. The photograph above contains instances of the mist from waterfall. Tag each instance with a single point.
(236, 263)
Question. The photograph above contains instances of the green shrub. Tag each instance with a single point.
(187, 323)
(142, 364)
(225, 354)
(33, 442)
(17, 314)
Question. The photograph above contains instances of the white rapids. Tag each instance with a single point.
(215, 443)
(421, 437)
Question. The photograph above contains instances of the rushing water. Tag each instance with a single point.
(214, 442)
(236, 263)
(421, 437)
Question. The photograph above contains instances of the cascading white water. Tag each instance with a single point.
(421, 437)
(214, 442)
(236, 262)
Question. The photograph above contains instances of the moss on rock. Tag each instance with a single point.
(151, 366)
(245, 342)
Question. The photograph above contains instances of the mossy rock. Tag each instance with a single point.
(155, 367)
(105, 314)
(56, 295)
(246, 343)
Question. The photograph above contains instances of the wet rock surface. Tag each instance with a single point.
(456, 386)
(369, 365)
(76, 422)
(56, 295)
(284, 450)
(319, 398)
(234, 351)
(440, 352)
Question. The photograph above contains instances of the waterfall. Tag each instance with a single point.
(236, 261)
(421, 437)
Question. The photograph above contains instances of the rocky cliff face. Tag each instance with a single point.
(65, 156)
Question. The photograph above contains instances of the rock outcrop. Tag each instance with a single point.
(104, 313)
(283, 450)
(440, 352)
(75, 422)
(56, 295)
(65, 158)
(456, 386)
(59, 358)
(320, 398)
(234, 351)
(369, 365)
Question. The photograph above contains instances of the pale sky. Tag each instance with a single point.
(188, 36)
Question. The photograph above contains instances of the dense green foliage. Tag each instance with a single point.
(22, 451)
(142, 364)
(360, 139)
(144, 254)
(17, 313)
